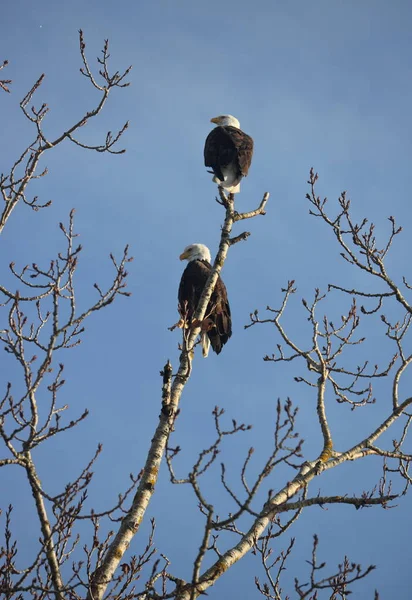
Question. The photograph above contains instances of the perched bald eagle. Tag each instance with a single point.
(216, 328)
(228, 151)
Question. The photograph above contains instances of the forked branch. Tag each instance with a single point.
(25, 168)
(4, 83)
(134, 517)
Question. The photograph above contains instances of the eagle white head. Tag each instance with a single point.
(226, 120)
(196, 252)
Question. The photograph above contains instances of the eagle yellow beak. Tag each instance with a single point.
(215, 120)
(184, 255)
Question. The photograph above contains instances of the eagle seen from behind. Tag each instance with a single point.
(216, 327)
(228, 151)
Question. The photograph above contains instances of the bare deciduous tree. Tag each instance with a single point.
(41, 319)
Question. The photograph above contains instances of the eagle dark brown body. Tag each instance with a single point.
(218, 310)
(228, 151)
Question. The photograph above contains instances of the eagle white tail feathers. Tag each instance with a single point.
(205, 344)
(235, 189)
(232, 189)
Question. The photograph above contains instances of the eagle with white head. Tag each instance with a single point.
(216, 327)
(228, 151)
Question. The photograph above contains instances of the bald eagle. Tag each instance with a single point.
(216, 328)
(228, 151)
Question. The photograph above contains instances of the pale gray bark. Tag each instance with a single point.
(134, 517)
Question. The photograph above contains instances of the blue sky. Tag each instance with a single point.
(323, 84)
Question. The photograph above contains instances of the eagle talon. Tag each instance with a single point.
(180, 325)
(207, 325)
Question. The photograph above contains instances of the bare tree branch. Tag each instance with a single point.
(132, 520)
(13, 185)
(4, 82)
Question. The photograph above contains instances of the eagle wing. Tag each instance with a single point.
(220, 316)
(191, 287)
(225, 145)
